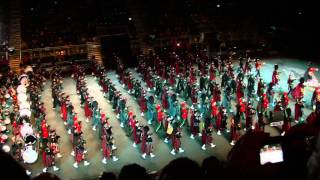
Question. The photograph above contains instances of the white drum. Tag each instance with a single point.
(22, 97)
(25, 112)
(21, 89)
(24, 105)
(25, 130)
(29, 155)
(6, 148)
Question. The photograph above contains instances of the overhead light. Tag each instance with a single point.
(218, 5)
(130, 19)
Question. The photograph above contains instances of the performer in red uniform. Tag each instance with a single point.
(212, 73)
(160, 117)
(258, 65)
(79, 151)
(207, 138)
(63, 110)
(146, 145)
(143, 103)
(214, 110)
(184, 113)
(48, 160)
(87, 110)
(285, 100)
(134, 128)
(298, 110)
(172, 80)
(108, 147)
(234, 131)
(261, 89)
(176, 136)
(241, 110)
(298, 91)
(164, 98)
(240, 89)
(276, 75)
(194, 124)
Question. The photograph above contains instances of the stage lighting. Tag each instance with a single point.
(178, 44)
(130, 18)
(218, 5)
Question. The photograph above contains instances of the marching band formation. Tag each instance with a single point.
(178, 95)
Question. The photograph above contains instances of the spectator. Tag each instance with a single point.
(212, 168)
(46, 176)
(133, 171)
(108, 176)
(313, 164)
(181, 168)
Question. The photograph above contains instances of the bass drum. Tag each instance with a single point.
(29, 155)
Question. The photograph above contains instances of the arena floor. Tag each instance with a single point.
(125, 151)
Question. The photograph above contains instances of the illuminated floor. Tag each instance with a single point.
(126, 153)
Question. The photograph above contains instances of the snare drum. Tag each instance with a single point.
(29, 155)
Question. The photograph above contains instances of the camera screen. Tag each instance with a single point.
(271, 153)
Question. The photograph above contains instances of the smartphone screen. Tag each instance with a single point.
(271, 153)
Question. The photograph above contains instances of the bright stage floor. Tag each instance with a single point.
(126, 153)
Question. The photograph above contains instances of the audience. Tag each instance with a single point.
(212, 168)
(133, 171)
(181, 168)
(108, 176)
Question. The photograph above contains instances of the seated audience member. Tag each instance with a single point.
(133, 171)
(313, 164)
(181, 168)
(212, 168)
(108, 176)
(46, 176)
